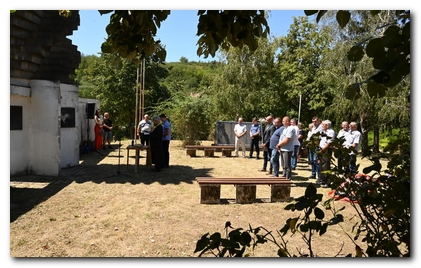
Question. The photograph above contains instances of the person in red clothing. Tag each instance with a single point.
(99, 121)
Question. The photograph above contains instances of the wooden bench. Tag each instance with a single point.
(209, 150)
(210, 189)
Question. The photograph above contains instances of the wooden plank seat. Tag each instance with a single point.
(210, 189)
(209, 150)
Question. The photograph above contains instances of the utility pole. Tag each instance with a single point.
(299, 107)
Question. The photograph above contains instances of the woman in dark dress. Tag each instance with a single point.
(157, 151)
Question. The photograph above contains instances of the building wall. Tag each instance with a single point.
(69, 136)
(19, 139)
(42, 63)
(43, 146)
(86, 125)
(44, 154)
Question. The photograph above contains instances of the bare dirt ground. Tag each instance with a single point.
(102, 208)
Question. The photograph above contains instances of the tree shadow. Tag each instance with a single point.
(28, 190)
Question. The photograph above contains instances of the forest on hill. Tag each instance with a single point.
(306, 73)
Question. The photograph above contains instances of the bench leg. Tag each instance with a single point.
(280, 193)
(209, 153)
(245, 194)
(226, 153)
(210, 194)
(191, 152)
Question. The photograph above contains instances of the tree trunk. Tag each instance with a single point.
(364, 135)
(376, 142)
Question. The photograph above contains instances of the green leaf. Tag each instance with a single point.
(102, 12)
(374, 47)
(392, 37)
(320, 15)
(353, 92)
(406, 31)
(380, 60)
(106, 48)
(381, 77)
(376, 90)
(161, 54)
(310, 12)
(356, 53)
(342, 17)
(389, 212)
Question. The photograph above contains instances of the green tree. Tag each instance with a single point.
(248, 85)
(116, 87)
(363, 104)
(83, 73)
(299, 61)
(390, 50)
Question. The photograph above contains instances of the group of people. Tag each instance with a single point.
(320, 156)
(282, 140)
(156, 133)
(279, 141)
(103, 130)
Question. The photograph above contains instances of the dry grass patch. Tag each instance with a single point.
(92, 211)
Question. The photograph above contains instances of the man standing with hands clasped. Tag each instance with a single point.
(240, 131)
(267, 152)
(286, 147)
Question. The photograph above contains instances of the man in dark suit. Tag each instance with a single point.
(267, 153)
(157, 151)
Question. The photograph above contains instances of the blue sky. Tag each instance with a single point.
(177, 32)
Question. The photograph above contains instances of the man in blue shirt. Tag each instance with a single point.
(274, 140)
(166, 137)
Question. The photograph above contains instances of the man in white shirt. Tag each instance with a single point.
(294, 157)
(344, 130)
(353, 141)
(286, 147)
(325, 152)
(240, 131)
(144, 129)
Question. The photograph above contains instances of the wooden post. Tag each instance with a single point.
(245, 194)
(210, 194)
(280, 193)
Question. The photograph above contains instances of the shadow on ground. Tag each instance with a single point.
(28, 191)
